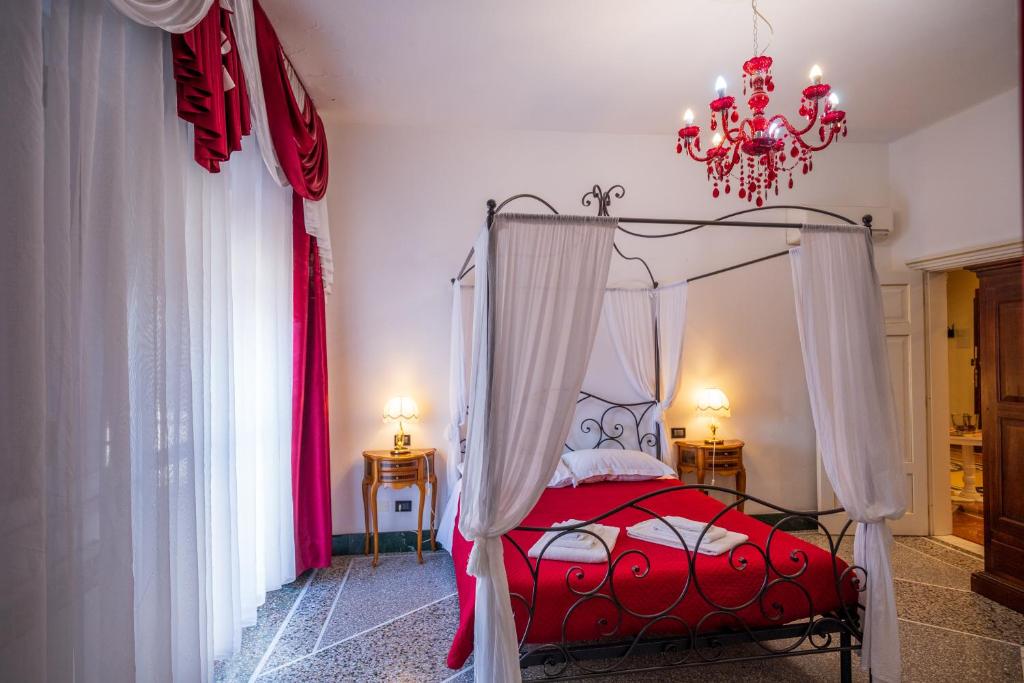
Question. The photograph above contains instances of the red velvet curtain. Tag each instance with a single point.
(203, 58)
(298, 133)
(301, 148)
(311, 450)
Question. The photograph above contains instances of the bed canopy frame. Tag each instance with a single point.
(606, 429)
(837, 631)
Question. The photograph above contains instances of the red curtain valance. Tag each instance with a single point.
(211, 87)
(295, 127)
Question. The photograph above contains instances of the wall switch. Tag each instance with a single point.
(403, 506)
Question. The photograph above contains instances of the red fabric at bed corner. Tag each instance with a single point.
(721, 583)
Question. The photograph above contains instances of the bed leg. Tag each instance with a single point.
(845, 659)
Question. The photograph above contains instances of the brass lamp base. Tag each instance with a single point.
(400, 447)
(714, 440)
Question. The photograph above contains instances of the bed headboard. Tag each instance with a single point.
(602, 423)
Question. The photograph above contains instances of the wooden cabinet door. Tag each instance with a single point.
(1002, 404)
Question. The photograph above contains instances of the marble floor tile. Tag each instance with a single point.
(942, 552)
(910, 563)
(411, 648)
(966, 612)
(310, 616)
(373, 595)
(256, 639)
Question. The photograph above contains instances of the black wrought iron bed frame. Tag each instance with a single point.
(620, 425)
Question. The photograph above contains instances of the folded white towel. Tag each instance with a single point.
(687, 528)
(724, 544)
(575, 549)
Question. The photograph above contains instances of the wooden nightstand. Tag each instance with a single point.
(381, 468)
(695, 456)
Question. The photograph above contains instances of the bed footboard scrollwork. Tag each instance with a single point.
(768, 612)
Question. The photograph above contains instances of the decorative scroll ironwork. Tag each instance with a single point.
(618, 425)
(804, 630)
(603, 197)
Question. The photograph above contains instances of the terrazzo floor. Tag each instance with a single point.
(352, 622)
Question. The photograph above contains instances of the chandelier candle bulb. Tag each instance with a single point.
(688, 117)
(720, 87)
(815, 75)
(833, 100)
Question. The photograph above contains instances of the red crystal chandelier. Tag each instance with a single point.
(758, 152)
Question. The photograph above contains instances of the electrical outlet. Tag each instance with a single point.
(403, 506)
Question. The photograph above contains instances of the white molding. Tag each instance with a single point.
(972, 256)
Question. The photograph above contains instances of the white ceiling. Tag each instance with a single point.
(620, 66)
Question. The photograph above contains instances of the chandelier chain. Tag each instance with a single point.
(755, 16)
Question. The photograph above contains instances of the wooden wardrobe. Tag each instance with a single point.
(1001, 331)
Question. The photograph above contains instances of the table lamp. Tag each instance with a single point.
(713, 403)
(400, 409)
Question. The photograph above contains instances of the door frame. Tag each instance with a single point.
(935, 268)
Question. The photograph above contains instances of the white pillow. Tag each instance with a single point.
(614, 464)
(562, 477)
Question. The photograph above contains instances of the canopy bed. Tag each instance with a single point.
(539, 292)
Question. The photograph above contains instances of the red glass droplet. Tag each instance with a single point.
(735, 116)
(727, 188)
(714, 192)
(679, 148)
(805, 168)
(760, 201)
(742, 193)
(791, 183)
(794, 152)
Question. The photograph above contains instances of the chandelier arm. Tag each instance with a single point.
(689, 151)
(738, 130)
(828, 141)
(793, 130)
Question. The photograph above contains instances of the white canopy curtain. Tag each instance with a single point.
(458, 404)
(540, 281)
(126, 419)
(842, 334)
(631, 315)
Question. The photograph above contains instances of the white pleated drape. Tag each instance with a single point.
(458, 404)
(240, 263)
(173, 16)
(539, 285)
(842, 334)
(631, 316)
(128, 390)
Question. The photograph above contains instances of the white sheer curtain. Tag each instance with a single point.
(458, 402)
(240, 261)
(540, 282)
(96, 589)
(631, 316)
(107, 502)
(842, 334)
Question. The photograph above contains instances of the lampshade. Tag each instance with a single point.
(713, 401)
(401, 408)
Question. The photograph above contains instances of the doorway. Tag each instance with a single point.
(966, 485)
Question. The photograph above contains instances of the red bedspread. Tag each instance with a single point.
(722, 584)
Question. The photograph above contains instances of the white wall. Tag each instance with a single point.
(957, 183)
(405, 206)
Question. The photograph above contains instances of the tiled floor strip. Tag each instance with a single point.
(356, 635)
(323, 629)
(958, 632)
(284, 625)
